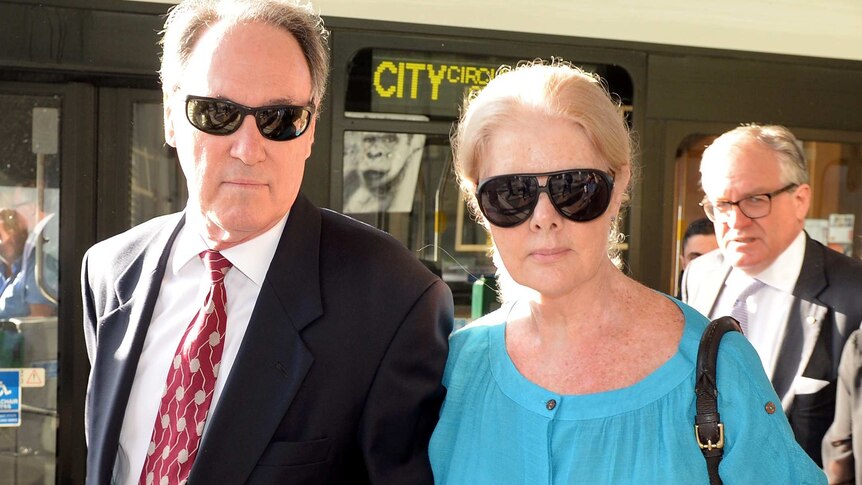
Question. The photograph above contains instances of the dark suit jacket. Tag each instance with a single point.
(827, 298)
(337, 380)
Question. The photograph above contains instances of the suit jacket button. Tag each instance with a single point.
(770, 407)
(551, 404)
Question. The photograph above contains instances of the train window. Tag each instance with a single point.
(402, 183)
(835, 176)
(29, 262)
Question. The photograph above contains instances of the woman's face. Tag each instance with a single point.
(548, 252)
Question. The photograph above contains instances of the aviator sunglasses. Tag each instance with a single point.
(580, 195)
(222, 117)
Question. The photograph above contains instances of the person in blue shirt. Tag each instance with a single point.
(20, 295)
(583, 375)
(13, 237)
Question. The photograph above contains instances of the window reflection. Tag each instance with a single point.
(29, 285)
(157, 184)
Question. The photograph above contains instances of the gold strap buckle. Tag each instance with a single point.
(709, 444)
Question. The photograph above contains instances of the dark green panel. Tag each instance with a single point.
(33, 36)
(792, 91)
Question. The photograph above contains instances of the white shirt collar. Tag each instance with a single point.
(781, 274)
(252, 258)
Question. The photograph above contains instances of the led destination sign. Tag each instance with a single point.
(427, 83)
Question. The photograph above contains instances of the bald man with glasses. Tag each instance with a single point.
(796, 300)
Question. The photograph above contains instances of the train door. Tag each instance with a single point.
(45, 181)
(835, 175)
(79, 164)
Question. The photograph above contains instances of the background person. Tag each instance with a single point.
(319, 347)
(797, 301)
(584, 375)
(20, 295)
(699, 239)
(13, 237)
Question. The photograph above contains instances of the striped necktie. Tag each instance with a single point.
(740, 306)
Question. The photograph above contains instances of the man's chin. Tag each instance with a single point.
(235, 229)
(746, 262)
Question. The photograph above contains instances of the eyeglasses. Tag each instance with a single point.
(580, 195)
(753, 207)
(222, 117)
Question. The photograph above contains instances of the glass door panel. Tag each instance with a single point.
(139, 176)
(29, 262)
(157, 184)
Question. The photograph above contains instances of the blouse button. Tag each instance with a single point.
(551, 404)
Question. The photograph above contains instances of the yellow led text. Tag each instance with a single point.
(391, 78)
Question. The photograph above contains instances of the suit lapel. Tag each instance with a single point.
(272, 360)
(121, 336)
(709, 288)
(802, 344)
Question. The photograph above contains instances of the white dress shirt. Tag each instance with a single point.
(186, 280)
(769, 308)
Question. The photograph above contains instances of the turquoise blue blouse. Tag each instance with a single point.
(496, 427)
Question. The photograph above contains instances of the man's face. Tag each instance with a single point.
(741, 170)
(242, 183)
(696, 246)
(8, 246)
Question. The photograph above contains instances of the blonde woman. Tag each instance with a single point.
(584, 375)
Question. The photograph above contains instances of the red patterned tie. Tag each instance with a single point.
(189, 387)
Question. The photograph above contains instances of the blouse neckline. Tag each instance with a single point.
(539, 400)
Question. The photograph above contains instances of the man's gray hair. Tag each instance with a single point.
(794, 167)
(188, 20)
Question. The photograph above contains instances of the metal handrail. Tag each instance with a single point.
(39, 239)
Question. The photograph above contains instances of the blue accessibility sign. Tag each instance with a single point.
(10, 397)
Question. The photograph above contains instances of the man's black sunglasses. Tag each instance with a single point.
(222, 117)
(580, 195)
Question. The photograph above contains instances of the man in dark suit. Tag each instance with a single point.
(328, 368)
(797, 300)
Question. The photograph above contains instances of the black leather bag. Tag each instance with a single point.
(708, 428)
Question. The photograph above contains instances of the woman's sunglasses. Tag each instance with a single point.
(580, 195)
(222, 117)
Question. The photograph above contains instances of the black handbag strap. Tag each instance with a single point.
(708, 428)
